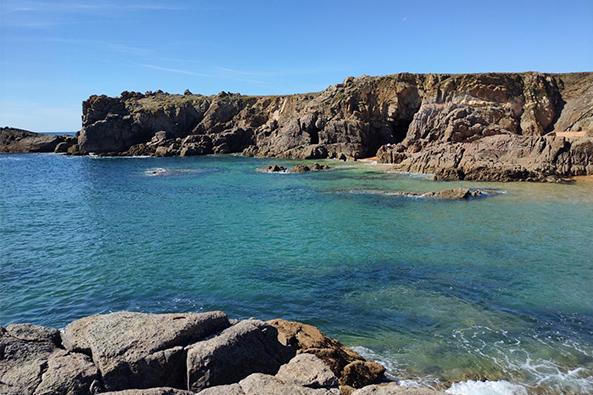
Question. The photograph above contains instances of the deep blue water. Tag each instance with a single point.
(496, 288)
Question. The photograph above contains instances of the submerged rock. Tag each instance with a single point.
(304, 168)
(455, 194)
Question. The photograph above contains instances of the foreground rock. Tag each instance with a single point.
(129, 353)
(248, 347)
(308, 370)
(137, 350)
(32, 362)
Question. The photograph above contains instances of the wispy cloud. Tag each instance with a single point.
(216, 74)
(86, 7)
(176, 71)
(275, 73)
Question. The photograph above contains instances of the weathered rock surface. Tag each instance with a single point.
(262, 384)
(137, 350)
(350, 368)
(18, 140)
(32, 362)
(309, 371)
(181, 354)
(495, 126)
(151, 391)
(247, 347)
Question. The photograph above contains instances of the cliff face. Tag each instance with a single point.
(473, 126)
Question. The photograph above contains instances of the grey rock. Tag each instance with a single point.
(247, 347)
(228, 389)
(137, 350)
(262, 384)
(150, 391)
(18, 140)
(309, 371)
(24, 352)
(68, 374)
(61, 148)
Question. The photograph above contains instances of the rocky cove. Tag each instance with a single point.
(487, 127)
(130, 353)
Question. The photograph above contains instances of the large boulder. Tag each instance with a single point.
(309, 371)
(68, 373)
(24, 351)
(32, 363)
(138, 350)
(247, 347)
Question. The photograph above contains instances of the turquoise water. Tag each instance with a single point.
(498, 288)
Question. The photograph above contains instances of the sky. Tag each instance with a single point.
(54, 54)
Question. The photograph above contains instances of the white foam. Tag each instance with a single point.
(500, 387)
(157, 171)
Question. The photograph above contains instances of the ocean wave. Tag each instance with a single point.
(156, 172)
(523, 371)
(500, 387)
(161, 171)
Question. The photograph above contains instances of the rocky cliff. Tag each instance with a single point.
(184, 353)
(498, 126)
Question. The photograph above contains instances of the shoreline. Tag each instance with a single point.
(206, 353)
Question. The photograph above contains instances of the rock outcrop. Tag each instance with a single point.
(129, 353)
(137, 350)
(496, 126)
(18, 140)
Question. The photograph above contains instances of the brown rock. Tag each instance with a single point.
(308, 339)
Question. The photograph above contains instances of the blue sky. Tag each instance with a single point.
(54, 54)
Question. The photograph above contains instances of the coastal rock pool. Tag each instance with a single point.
(441, 292)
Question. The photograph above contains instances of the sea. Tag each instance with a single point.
(487, 296)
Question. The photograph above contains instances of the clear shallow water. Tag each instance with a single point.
(498, 288)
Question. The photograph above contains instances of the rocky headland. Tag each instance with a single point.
(491, 127)
(184, 353)
(19, 140)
